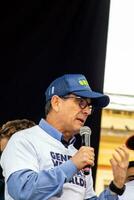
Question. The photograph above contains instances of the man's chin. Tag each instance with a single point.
(77, 129)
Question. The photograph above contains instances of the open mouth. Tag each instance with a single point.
(81, 120)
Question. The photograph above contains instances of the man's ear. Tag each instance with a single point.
(55, 102)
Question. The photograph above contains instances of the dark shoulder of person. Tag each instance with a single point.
(2, 185)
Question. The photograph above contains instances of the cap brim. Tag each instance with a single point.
(130, 142)
(98, 100)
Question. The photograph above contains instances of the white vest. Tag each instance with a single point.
(36, 150)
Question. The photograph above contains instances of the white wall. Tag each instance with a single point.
(119, 73)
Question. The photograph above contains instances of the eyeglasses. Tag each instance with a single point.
(83, 103)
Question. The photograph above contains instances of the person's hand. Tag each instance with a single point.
(119, 164)
(83, 157)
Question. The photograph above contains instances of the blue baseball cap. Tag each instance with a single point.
(76, 84)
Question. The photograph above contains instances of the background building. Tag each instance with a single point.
(117, 125)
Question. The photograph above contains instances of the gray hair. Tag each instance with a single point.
(47, 107)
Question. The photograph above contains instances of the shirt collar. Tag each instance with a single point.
(50, 129)
(65, 143)
(55, 133)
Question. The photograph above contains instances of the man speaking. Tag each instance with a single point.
(41, 163)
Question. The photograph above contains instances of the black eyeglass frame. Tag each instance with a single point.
(82, 100)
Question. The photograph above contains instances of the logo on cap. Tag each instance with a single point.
(83, 82)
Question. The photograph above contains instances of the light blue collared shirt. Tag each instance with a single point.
(30, 185)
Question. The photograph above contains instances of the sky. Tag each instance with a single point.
(119, 68)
